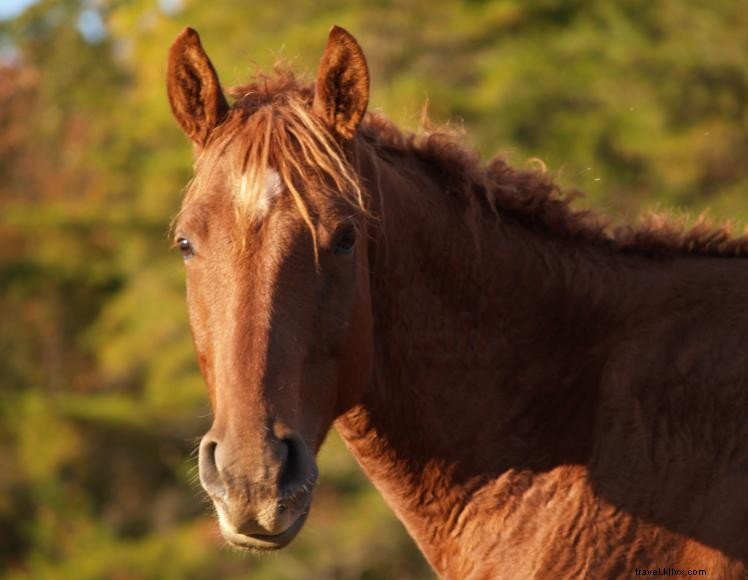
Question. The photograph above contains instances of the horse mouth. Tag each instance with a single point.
(265, 542)
(247, 537)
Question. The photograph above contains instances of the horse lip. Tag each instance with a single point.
(301, 500)
(265, 542)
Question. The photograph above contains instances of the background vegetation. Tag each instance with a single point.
(641, 104)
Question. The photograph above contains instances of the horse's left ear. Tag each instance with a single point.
(342, 91)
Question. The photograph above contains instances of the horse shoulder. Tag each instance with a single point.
(671, 436)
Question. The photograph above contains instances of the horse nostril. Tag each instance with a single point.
(210, 476)
(293, 473)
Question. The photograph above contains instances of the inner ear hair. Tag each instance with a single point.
(195, 93)
(342, 89)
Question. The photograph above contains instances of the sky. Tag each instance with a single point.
(90, 23)
(12, 8)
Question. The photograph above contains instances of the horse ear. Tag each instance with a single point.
(195, 93)
(342, 91)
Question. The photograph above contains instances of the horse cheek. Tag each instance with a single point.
(357, 353)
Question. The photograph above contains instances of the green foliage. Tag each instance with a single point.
(639, 104)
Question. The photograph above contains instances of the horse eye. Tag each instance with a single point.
(186, 248)
(345, 241)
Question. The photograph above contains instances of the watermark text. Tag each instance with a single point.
(668, 572)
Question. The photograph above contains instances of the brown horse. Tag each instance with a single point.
(534, 394)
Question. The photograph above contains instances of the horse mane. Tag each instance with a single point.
(529, 196)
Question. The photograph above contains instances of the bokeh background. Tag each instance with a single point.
(640, 104)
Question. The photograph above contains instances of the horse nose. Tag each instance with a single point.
(247, 483)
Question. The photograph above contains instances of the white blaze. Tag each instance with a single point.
(271, 188)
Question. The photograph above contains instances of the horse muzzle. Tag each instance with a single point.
(262, 497)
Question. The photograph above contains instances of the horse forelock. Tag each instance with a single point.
(272, 144)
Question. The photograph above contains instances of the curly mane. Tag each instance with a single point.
(529, 196)
(532, 197)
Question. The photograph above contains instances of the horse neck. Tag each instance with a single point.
(488, 338)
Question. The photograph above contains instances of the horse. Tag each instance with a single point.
(534, 392)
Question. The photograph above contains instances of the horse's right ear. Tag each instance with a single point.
(195, 93)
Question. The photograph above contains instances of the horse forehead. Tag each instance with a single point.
(259, 202)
